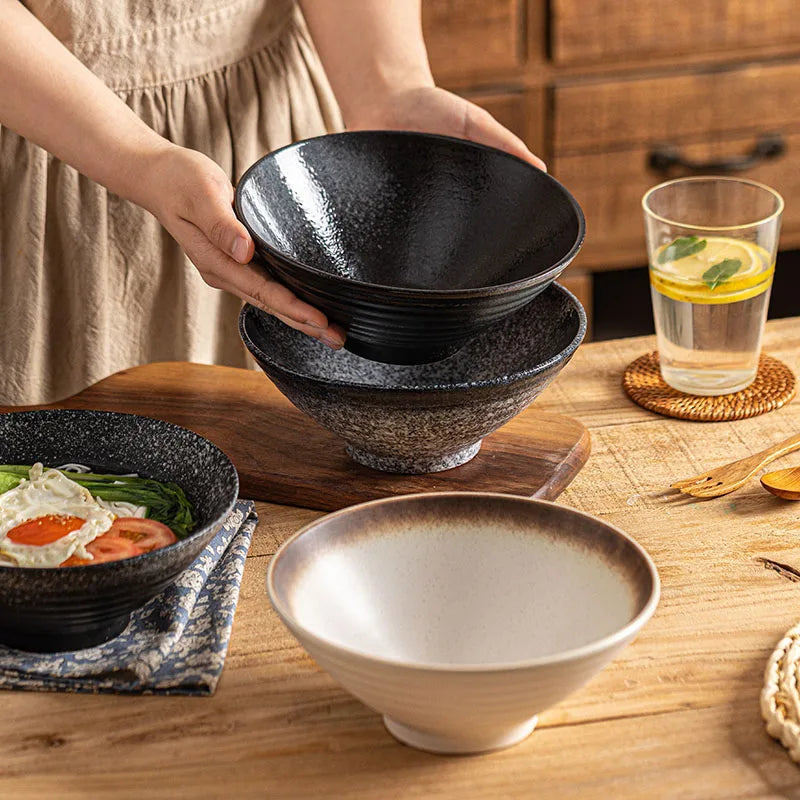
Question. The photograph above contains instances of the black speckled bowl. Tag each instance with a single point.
(423, 418)
(69, 608)
(414, 243)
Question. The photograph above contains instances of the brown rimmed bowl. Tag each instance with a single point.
(461, 616)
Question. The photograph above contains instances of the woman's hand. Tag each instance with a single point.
(380, 74)
(192, 198)
(432, 110)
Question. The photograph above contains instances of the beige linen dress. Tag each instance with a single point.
(90, 283)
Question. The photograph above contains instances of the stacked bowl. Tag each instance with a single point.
(414, 243)
(457, 616)
(426, 417)
(437, 256)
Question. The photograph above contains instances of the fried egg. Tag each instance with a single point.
(49, 501)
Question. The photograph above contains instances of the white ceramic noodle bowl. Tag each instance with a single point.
(461, 616)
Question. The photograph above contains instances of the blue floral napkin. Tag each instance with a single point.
(176, 644)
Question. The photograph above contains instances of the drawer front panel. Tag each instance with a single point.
(609, 186)
(610, 115)
(473, 38)
(521, 112)
(589, 31)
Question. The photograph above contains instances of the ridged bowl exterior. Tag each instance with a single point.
(470, 709)
(397, 330)
(413, 243)
(74, 607)
(420, 418)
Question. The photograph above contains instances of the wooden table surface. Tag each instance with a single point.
(675, 716)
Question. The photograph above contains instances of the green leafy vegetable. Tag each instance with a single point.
(165, 502)
(680, 248)
(8, 481)
(719, 273)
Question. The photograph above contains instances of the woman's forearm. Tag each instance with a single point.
(50, 98)
(368, 48)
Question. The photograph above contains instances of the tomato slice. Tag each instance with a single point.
(127, 537)
(109, 547)
(146, 534)
(44, 530)
(105, 548)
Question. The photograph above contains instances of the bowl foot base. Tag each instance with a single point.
(461, 744)
(413, 466)
(55, 641)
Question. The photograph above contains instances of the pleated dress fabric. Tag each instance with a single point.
(91, 283)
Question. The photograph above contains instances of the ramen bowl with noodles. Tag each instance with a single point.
(64, 593)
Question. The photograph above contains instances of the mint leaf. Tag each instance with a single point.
(719, 273)
(680, 248)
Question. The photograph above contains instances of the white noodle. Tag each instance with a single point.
(83, 468)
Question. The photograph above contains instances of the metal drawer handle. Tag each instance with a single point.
(667, 157)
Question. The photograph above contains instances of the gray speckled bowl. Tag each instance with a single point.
(429, 417)
(69, 608)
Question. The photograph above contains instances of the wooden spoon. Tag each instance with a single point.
(784, 483)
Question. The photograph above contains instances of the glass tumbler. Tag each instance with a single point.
(711, 245)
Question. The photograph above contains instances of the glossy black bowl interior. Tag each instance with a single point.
(413, 242)
(68, 608)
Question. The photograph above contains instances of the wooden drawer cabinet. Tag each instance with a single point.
(590, 31)
(609, 186)
(594, 86)
(522, 112)
(604, 133)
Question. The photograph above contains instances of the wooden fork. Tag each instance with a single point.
(730, 477)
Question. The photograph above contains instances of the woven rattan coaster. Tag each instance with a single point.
(780, 701)
(773, 387)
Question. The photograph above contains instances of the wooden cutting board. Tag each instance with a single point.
(284, 457)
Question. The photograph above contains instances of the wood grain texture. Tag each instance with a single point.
(616, 78)
(675, 716)
(594, 116)
(610, 185)
(333, 748)
(605, 37)
(590, 389)
(609, 30)
(479, 38)
(283, 456)
(783, 483)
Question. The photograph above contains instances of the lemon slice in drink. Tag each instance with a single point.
(688, 278)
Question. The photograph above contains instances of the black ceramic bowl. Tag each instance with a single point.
(412, 242)
(68, 608)
(429, 417)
